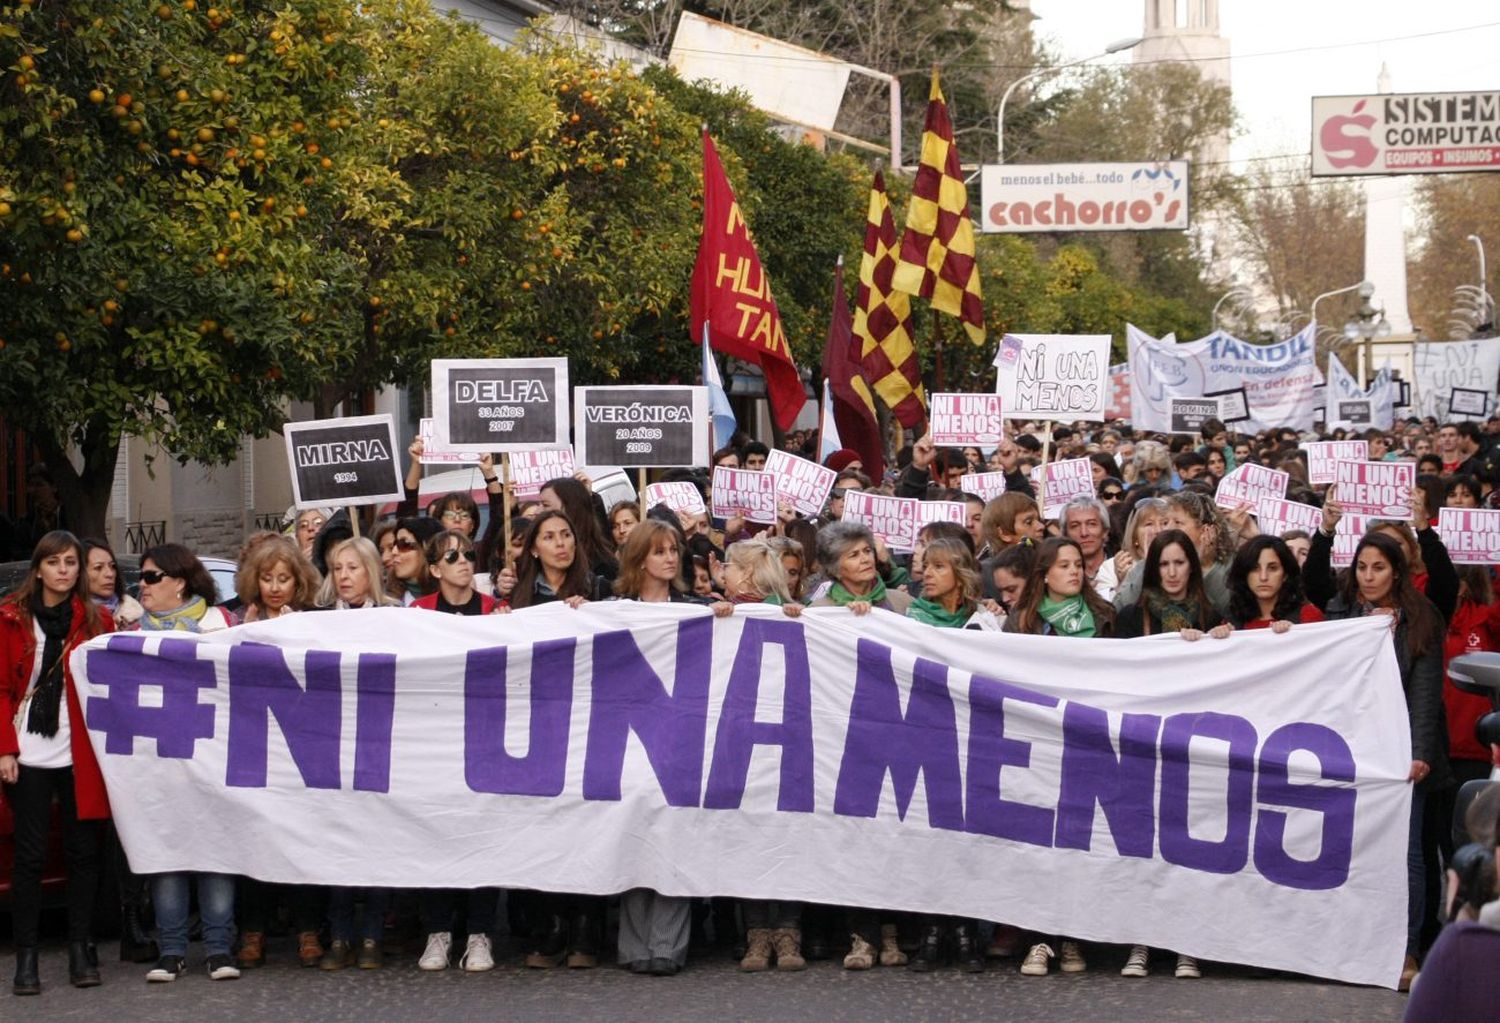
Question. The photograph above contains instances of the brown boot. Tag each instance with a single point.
(861, 954)
(1408, 973)
(309, 951)
(787, 942)
(758, 954)
(252, 950)
(890, 949)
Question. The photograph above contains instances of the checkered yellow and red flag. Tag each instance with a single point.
(882, 318)
(937, 252)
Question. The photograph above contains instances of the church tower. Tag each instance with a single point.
(1188, 30)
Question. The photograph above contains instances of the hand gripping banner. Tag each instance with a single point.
(1225, 799)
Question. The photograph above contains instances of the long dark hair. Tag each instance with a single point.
(1151, 581)
(578, 504)
(177, 561)
(1244, 606)
(90, 545)
(1027, 610)
(53, 543)
(577, 582)
(1424, 626)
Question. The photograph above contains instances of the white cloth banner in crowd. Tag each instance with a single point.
(1241, 800)
(1440, 366)
(1278, 378)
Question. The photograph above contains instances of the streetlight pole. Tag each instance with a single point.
(1339, 291)
(1123, 44)
(1484, 286)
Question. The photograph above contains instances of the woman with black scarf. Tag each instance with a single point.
(43, 754)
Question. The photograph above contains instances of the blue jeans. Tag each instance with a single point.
(169, 893)
(341, 913)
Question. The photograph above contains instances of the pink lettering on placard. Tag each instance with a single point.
(985, 485)
(1382, 489)
(744, 493)
(1472, 535)
(1065, 480)
(679, 495)
(531, 470)
(893, 520)
(800, 483)
(1322, 456)
(1248, 484)
(959, 420)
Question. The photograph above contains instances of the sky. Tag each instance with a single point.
(1339, 52)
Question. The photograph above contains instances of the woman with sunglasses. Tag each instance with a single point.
(409, 567)
(177, 594)
(45, 756)
(654, 928)
(452, 558)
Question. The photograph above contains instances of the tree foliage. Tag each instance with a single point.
(1450, 208)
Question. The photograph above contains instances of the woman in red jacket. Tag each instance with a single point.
(45, 752)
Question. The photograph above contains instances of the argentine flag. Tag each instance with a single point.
(724, 423)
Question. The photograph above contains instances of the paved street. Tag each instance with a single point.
(711, 989)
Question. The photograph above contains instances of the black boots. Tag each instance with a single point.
(583, 946)
(28, 981)
(966, 947)
(929, 954)
(549, 942)
(136, 945)
(83, 964)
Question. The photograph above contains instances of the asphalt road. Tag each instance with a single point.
(711, 988)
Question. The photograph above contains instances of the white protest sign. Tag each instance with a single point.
(1063, 481)
(1380, 489)
(1247, 484)
(491, 405)
(746, 493)
(679, 495)
(1346, 537)
(941, 511)
(622, 745)
(1472, 535)
(988, 485)
(1440, 366)
(344, 461)
(1469, 402)
(531, 470)
(435, 452)
(895, 520)
(1053, 376)
(800, 483)
(1322, 456)
(1276, 516)
(961, 420)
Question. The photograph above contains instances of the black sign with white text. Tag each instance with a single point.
(659, 427)
(1188, 414)
(491, 405)
(343, 461)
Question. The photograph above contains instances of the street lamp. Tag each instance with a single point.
(1361, 286)
(1236, 293)
(1368, 323)
(1484, 294)
(1123, 44)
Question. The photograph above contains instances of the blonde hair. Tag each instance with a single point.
(958, 556)
(762, 563)
(642, 542)
(369, 557)
(271, 551)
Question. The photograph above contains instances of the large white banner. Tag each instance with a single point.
(1440, 366)
(1226, 799)
(1278, 378)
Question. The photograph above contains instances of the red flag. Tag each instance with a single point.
(731, 293)
(853, 407)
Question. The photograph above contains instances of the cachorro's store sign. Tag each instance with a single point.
(1084, 197)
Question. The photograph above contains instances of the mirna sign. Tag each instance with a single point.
(1038, 198)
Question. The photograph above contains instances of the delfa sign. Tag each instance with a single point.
(488, 405)
(1045, 197)
(1407, 133)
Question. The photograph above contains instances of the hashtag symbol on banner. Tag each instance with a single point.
(124, 669)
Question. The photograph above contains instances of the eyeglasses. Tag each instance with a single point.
(452, 556)
(1112, 495)
(456, 515)
(151, 576)
(406, 544)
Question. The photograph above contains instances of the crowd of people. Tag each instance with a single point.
(1151, 553)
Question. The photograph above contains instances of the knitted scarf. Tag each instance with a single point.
(931, 612)
(1068, 617)
(1174, 615)
(46, 698)
(841, 596)
(180, 619)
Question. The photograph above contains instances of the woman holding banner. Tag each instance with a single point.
(1058, 601)
(1172, 597)
(1265, 587)
(586, 512)
(177, 594)
(654, 928)
(44, 755)
(846, 551)
(1380, 582)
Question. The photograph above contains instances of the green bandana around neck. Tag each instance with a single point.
(1069, 617)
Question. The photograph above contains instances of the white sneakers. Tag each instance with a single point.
(477, 957)
(435, 957)
(1035, 964)
(1187, 968)
(1138, 962)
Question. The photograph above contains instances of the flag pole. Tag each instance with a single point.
(937, 345)
(505, 500)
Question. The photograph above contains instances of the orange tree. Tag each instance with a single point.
(159, 164)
